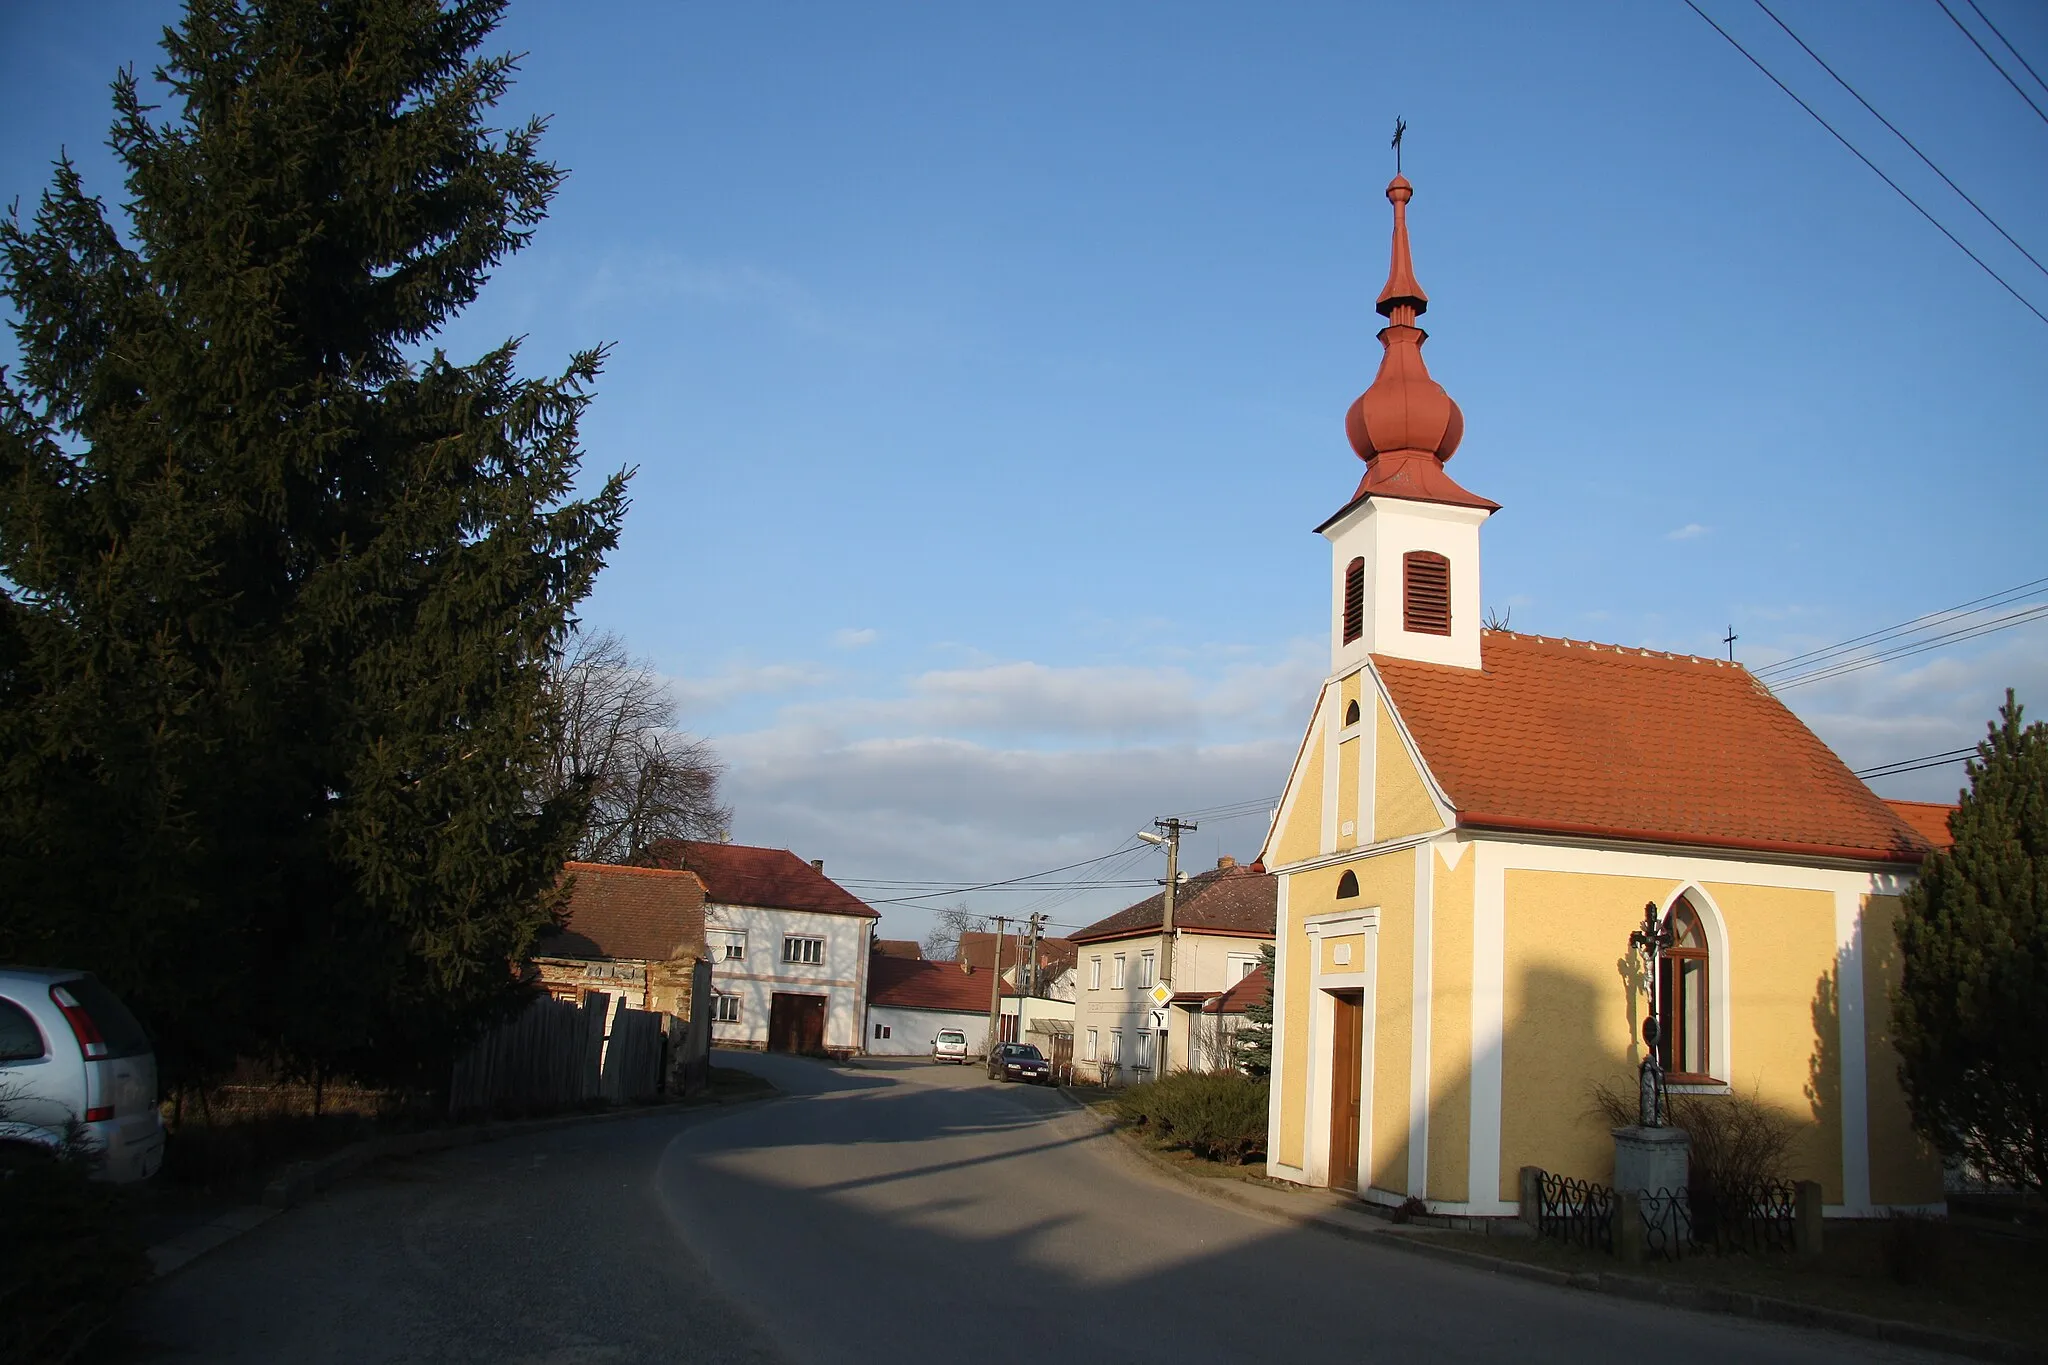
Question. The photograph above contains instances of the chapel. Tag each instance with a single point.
(1476, 820)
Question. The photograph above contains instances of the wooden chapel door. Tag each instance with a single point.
(1347, 1036)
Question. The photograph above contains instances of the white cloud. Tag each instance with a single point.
(855, 639)
(1692, 530)
(740, 682)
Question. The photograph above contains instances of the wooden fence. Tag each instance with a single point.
(557, 1054)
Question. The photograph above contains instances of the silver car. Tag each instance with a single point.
(73, 1057)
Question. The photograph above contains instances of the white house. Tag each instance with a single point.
(1221, 919)
(910, 1000)
(789, 947)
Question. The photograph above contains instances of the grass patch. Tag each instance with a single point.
(1962, 1278)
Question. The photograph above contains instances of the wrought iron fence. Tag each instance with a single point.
(1578, 1212)
(1763, 1217)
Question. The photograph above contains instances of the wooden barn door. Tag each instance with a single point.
(796, 1023)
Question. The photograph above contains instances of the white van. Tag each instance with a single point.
(950, 1046)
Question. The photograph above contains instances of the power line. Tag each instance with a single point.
(2017, 89)
(2008, 46)
(1007, 881)
(1875, 169)
(2018, 618)
(1901, 136)
(1989, 599)
(1914, 765)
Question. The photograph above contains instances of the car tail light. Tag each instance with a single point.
(99, 1115)
(90, 1041)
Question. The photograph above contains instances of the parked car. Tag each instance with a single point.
(1021, 1062)
(950, 1046)
(73, 1057)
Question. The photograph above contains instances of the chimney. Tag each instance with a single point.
(1225, 863)
(818, 863)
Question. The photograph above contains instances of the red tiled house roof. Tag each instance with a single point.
(1250, 991)
(636, 914)
(771, 878)
(900, 947)
(1225, 900)
(1565, 737)
(910, 984)
(1929, 820)
(1055, 955)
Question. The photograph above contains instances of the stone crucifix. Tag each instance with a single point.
(1650, 939)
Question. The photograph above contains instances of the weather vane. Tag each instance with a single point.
(1400, 127)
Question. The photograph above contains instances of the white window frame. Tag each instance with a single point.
(725, 1007)
(1095, 976)
(803, 950)
(1142, 1059)
(1241, 966)
(1094, 1044)
(1148, 969)
(728, 945)
(1116, 972)
(1116, 1045)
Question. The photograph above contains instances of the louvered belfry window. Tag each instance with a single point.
(1354, 600)
(1426, 593)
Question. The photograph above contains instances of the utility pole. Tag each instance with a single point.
(1030, 984)
(1174, 829)
(995, 997)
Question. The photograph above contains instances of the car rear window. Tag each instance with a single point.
(124, 1035)
(20, 1039)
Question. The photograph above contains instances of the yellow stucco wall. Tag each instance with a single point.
(1903, 1168)
(1348, 833)
(1301, 831)
(1344, 953)
(1783, 1031)
(1569, 1017)
(1291, 1067)
(1450, 1029)
(1388, 881)
(1401, 804)
(1347, 692)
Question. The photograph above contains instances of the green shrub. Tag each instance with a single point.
(70, 1253)
(1217, 1115)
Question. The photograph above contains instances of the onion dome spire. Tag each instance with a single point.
(1405, 426)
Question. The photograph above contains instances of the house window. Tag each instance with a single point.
(727, 945)
(725, 1009)
(1143, 1060)
(1116, 972)
(1241, 967)
(1682, 998)
(1347, 886)
(803, 949)
(1094, 976)
(883, 1030)
(1116, 1045)
(1425, 593)
(1354, 600)
(1351, 712)
(1094, 1047)
(1146, 962)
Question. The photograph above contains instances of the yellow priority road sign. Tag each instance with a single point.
(1161, 994)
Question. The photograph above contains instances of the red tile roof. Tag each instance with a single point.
(1250, 991)
(1565, 737)
(899, 947)
(637, 914)
(1929, 819)
(908, 984)
(772, 878)
(1225, 900)
(1055, 955)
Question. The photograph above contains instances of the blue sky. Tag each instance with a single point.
(985, 369)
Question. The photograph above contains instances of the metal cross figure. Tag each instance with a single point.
(1400, 127)
(1651, 939)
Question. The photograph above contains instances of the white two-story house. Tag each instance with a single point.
(789, 947)
(1221, 919)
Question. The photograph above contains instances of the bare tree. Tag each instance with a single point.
(942, 942)
(615, 728)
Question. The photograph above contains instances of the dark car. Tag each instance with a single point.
(1021, 1062)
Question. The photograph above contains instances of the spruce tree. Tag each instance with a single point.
(280, 582)
(1972, 1000)
(1255, 1035)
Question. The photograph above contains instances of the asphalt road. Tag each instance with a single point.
(901, 1214)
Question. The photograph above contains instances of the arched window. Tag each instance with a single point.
(1347, 886)
(1682, 993)
(1354, 600)
(1425, 593)
(1351, 713)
